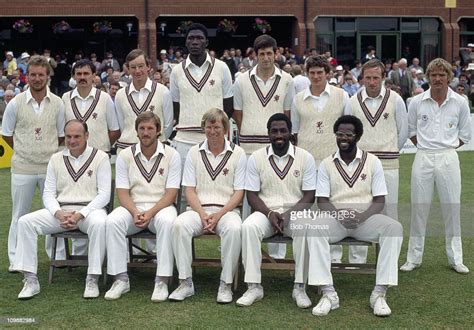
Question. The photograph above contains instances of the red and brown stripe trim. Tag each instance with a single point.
(123, 145)
(386, 154)
(213, 173)
(373, 119)
(190, 129)
(89, 111)
(76, 175)
(209, 205)
(147, 175)
(147, 102)
(265, 99)
(286, 169)
(351, 180)
(254, 139)
(198, 85)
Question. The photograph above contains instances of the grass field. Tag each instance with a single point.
(433, 296)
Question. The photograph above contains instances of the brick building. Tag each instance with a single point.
(395, 28)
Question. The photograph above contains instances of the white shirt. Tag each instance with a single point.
(323, 187)
(439, 127)
(400, 112)
(197, 72)
(104, 177)
(300, 83)
(319, 102)
(139, 96)
(265, 87)
(189, 174)
(174, 174)
(84, 103)
(252, 178)
(9, 117)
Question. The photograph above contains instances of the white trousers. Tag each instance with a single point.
(378, 228)
(440, 168)
(42, 222)
(120, 224)
(188, 225)
(23, 188)
(257, 227)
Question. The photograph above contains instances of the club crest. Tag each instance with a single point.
(363, 176)
(161, 171)
(89, 173)
(225, 171)
(296, 173)
(276, 98)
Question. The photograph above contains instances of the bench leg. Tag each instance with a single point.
(52, 265)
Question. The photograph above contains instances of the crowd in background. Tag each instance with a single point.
(404, 77)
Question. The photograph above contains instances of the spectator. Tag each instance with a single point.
(110, 61)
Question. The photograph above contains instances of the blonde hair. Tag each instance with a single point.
(216, 115)
(439, 64)
(39, 60)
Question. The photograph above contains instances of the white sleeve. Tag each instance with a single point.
(323, 186)
(49, 192)
(227, 89)
(121, 174)
(174, 174)
(379, 188)
(252, 177)
(119, 112)
(348, 107)
(189, 172)
(290, 95)
(167, 114)
(111, 115)
(401, 118)
(174, 89)
(464, 122)
(295, 118)
(9, 119)
(61, 120)
(412, 118)
(238, 102)
(239, 175)
(309, 174)
(104, 178)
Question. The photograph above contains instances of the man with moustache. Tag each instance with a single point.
(438, 122)
(141, 95)
(351, 191)
(76, 191)
(280, 179)
(33, 126)
(148, 178)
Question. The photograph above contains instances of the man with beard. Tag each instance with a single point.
(33, 126)
(351, 193)
(148, 178)
(280, 180)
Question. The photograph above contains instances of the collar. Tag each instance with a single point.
(338, 155)
(276, 72)
(307, 91)
(86, 153)
(160, 149)
(290, 152)
(75, 93)
(147, 86)
(427, 95)
(188, 62)
(365, 96)
(205, 146)
(29, 97)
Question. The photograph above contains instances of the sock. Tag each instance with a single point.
(163, 279)
(188, 281)
(91, 277)
(298, 286)
(381, 289)
(122, 277)
(327, 288)
(30, 276)
(254, 285)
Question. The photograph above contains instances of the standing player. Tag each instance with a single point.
(439, 122)
(33, 126)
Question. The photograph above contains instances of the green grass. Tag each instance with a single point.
(430, 297)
